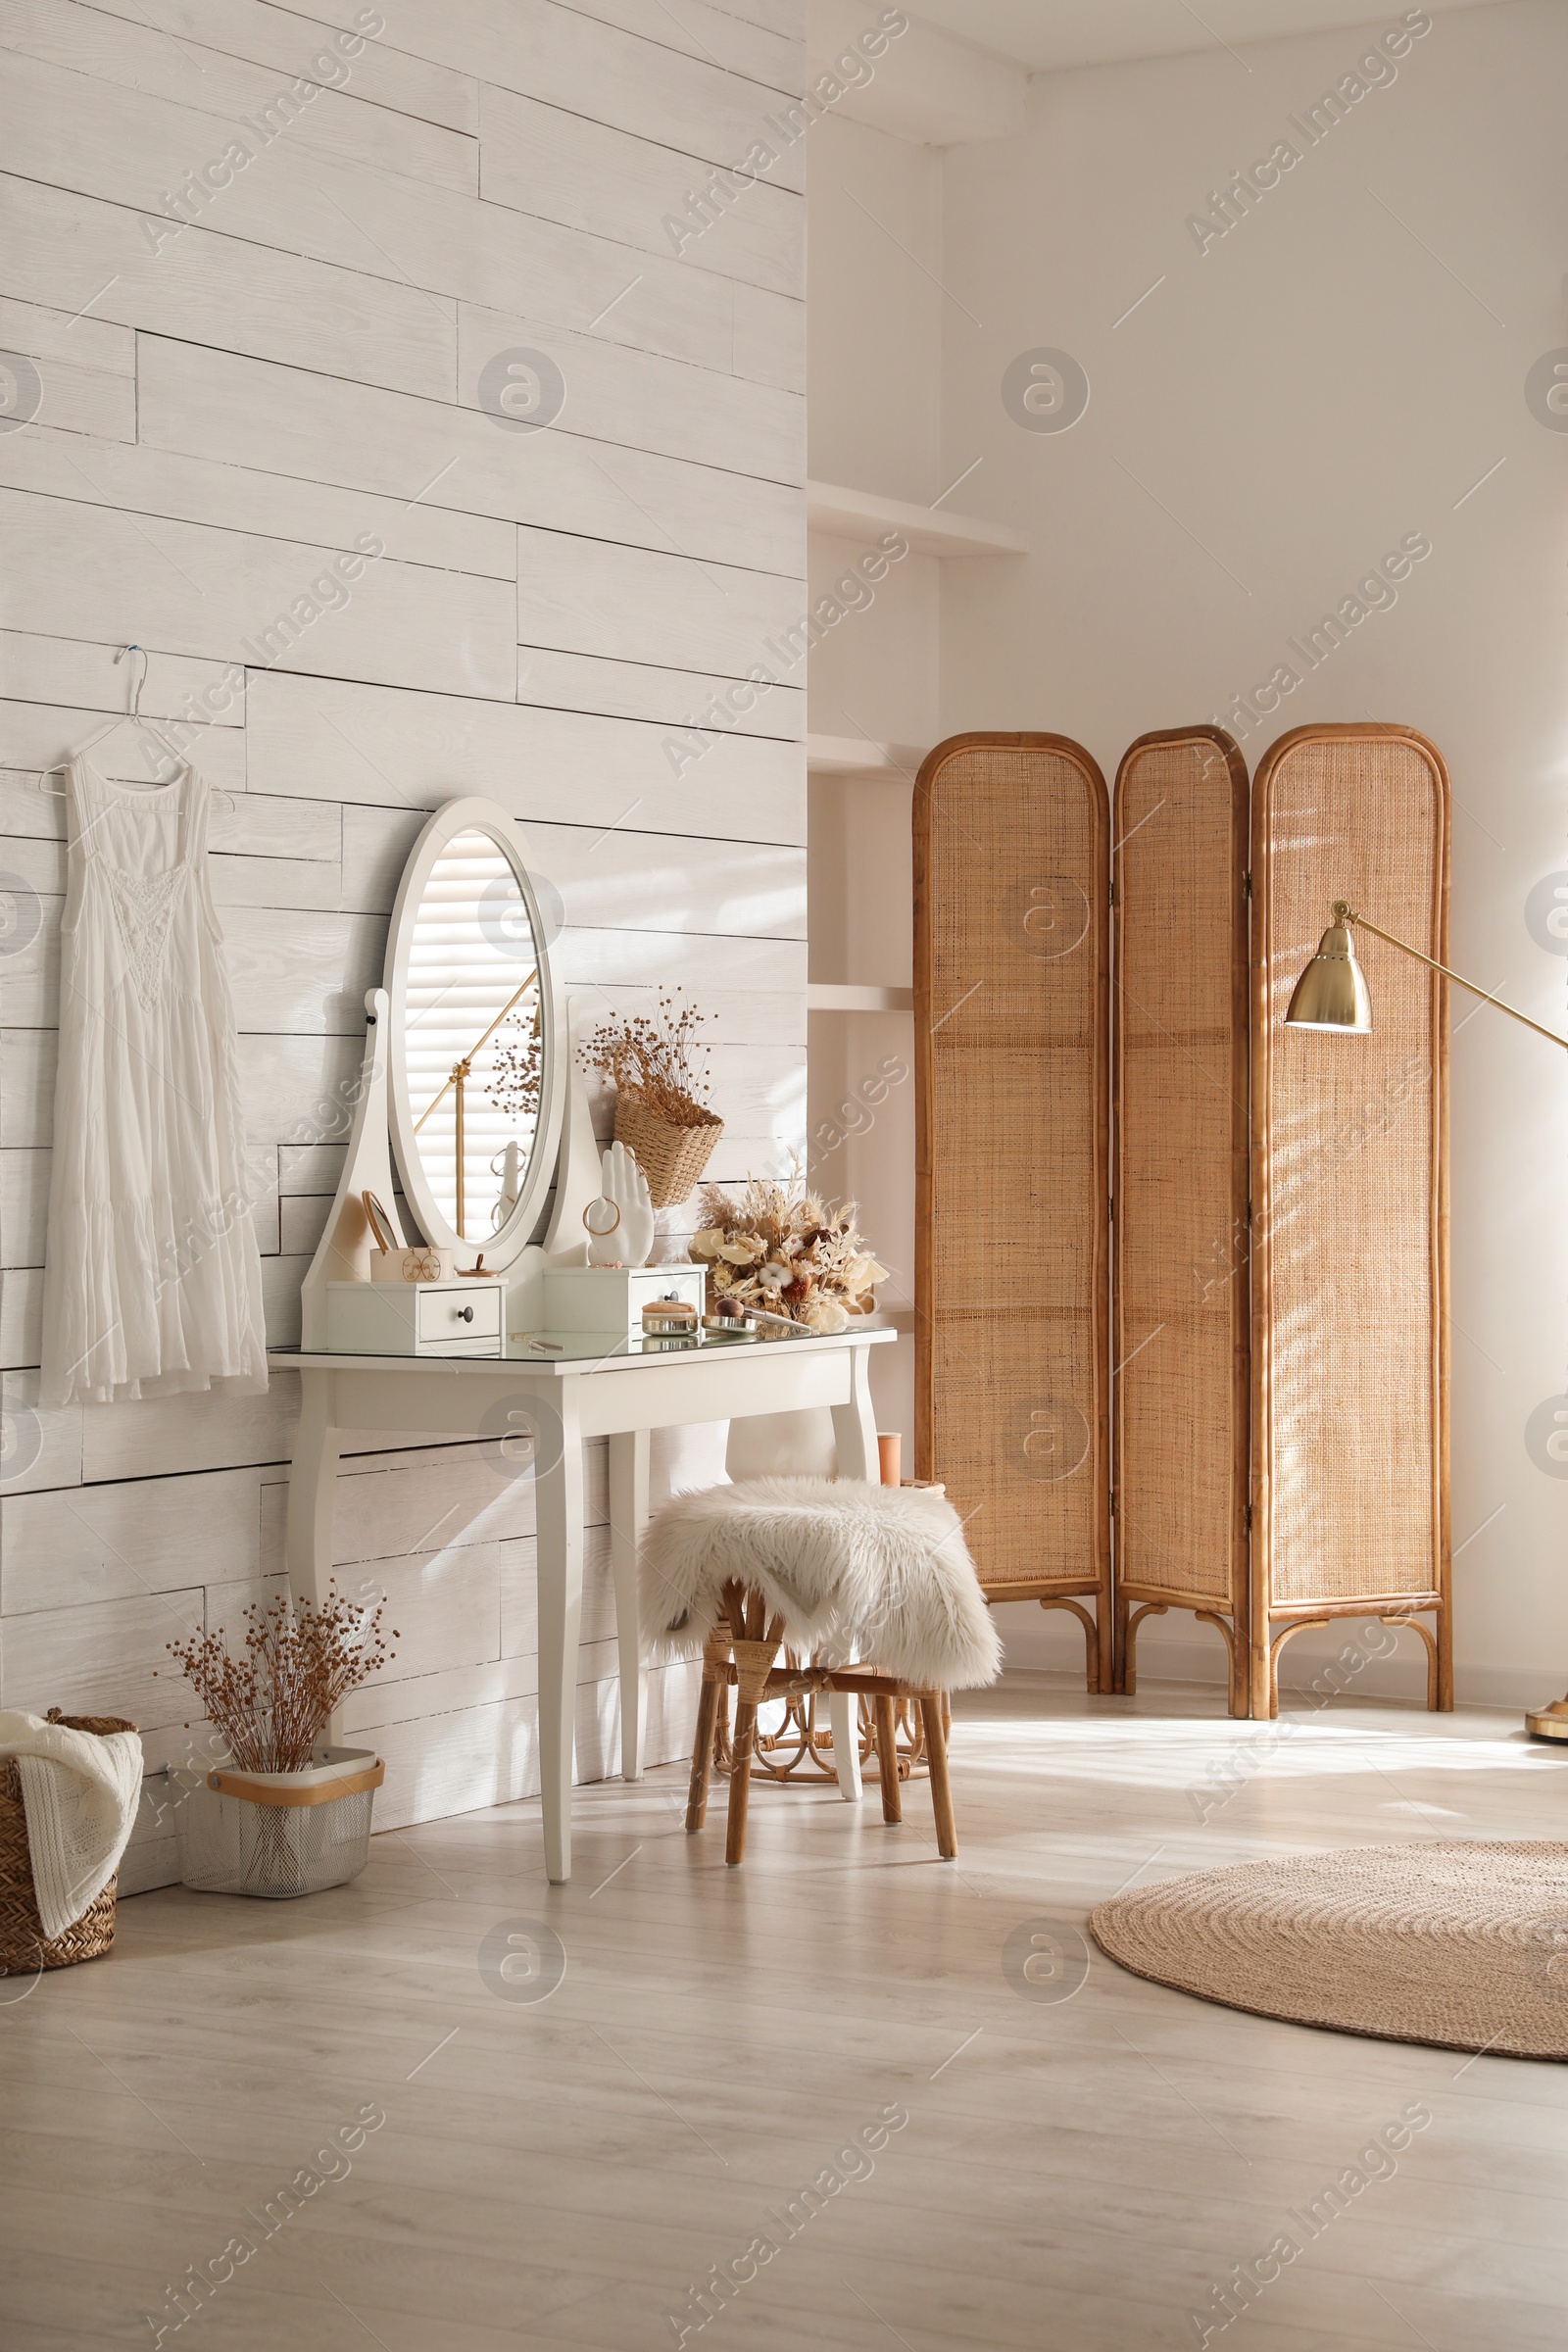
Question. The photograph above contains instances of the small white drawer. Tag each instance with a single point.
(414, 1318)
(610, 1298)
(442, 1315)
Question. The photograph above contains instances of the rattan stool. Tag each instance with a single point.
(826, 1570)
(740, 1652)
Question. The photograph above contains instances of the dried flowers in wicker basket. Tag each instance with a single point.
(779, 1247)
(24, 1951)
(662, 1105)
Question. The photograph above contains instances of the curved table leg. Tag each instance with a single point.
(854, 1429)
(628, 1517)
(844, 1714)
(855, 1422)
(312, 1494)
(559, 1491)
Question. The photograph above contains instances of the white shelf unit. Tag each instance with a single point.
(833, 996)
(856, 757)
(872, 681)
(930, 530)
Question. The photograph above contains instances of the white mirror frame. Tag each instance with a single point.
(473, 815)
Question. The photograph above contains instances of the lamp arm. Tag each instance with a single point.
(1485, 995)
(474, 1050)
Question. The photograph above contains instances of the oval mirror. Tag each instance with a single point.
(477, 1058)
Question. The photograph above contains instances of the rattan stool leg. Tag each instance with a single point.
(887, 1757)
(754, 1654)
(935, 1748)
(703, 1753)
(739, 1780)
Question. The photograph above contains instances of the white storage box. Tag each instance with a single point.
(415, 1318)
(610, 1298)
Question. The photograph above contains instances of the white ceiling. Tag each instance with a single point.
(1043, 34)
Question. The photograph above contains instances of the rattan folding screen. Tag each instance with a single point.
(1011, 943)
(1180, 1306)
(1350, 1203)
(1265, 1409)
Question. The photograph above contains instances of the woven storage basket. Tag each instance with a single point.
(278, 1834)
(22, 1948)
(671, 1157)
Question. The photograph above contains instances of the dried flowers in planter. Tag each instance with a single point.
(302, 1659)
(781, 1248)
(661, 1095)
(284, 1817)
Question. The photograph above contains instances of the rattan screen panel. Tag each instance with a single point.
(1350, 1182)
(1180, 1285)
(1011, 881)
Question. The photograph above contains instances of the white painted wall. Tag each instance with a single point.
(1338, 371)
(1340, 368)
(874, 379)
(301, 364)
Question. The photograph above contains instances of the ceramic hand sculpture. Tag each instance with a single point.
(630, 1243)
(510, 1175)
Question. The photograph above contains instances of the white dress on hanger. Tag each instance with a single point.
(153, 1283)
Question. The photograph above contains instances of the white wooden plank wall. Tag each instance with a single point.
(223, 411)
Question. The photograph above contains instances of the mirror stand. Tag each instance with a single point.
(343, 1253)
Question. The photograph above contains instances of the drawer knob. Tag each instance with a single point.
(465, 1314)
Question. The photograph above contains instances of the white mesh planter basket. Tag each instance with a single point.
(277, 1833)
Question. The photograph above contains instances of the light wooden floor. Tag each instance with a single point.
(1077, 2174)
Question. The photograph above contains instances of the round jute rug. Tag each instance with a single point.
(1462, 1945)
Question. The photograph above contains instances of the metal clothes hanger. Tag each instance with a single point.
(132, 714)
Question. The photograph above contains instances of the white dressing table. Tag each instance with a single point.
(468, 1047)
(558, 1401)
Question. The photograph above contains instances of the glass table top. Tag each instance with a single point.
(574, 1346)
(545, 1347)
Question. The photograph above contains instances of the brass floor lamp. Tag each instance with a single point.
(462, 1071)
(1332, 994)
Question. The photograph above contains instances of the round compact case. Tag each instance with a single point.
(728, 1327)
(669, 1319)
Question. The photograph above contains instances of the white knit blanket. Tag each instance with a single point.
(80, 1791)
(877, 1573)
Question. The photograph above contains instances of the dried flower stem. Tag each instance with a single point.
(657, 1058)
(302, 1659)
(518, 1065)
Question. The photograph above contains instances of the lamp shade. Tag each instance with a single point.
(1332, 992)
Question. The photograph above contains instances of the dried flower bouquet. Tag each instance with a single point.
(661, 1095)
(780, 1248)
(301, 1660)
(657, 1058)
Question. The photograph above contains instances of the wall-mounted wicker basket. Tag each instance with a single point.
(671, 1158)
(23, 1947)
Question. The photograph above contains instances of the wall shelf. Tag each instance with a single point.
(929, 530)
(833, 996)
(854, 756)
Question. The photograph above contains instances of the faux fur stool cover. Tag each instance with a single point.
(879, 1573)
